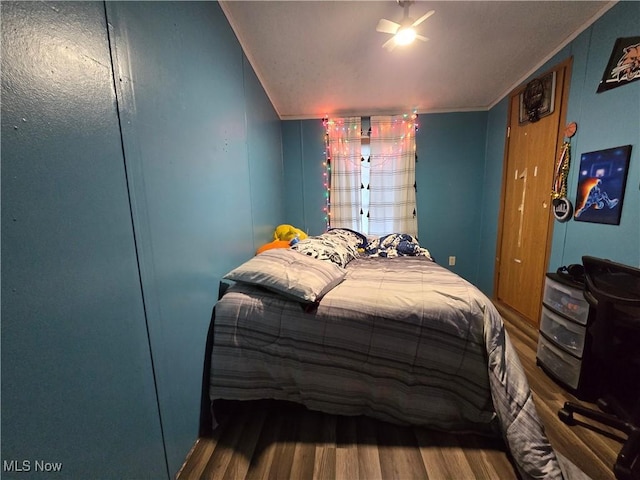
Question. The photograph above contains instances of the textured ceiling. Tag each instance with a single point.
(317, 58)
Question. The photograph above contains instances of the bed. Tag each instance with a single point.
(347, 326)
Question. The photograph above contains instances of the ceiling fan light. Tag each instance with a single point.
(405, 36)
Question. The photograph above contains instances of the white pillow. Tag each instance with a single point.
(289, 273)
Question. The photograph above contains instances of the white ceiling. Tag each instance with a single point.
(317, 58)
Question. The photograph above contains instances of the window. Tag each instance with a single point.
(372, 181)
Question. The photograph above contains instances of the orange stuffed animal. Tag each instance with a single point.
(283, 237)
(274, 244)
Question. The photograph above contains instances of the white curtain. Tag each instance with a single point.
(345, 154)
(392, 201)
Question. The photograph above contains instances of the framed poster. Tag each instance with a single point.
(624, 64)
(601, 184)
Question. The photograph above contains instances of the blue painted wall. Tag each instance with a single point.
(449, 173)
(491, 189)
(110, 278)
(203, 145)
(304, 153)
(264, 145)
(77, 380)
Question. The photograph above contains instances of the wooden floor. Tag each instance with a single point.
(277, 440)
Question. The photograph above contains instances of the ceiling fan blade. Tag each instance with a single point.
(422, 37)
(387, 26)
(423, 18)
(390, 44)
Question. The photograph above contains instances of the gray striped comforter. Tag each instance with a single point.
(400, 339)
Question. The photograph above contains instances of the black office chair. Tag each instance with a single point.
(613, 291)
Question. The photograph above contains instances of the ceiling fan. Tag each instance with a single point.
(404, 32)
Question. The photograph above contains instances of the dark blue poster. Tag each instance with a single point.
(601, 183)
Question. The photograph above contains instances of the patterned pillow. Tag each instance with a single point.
(290, 274)
(396, 245)
(332, 246)
(354, 238)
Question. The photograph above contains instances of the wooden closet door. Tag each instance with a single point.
(526, 223)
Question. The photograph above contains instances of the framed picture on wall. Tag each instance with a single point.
(624, 64)
(601, 185)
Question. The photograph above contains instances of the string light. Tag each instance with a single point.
(327, 173)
